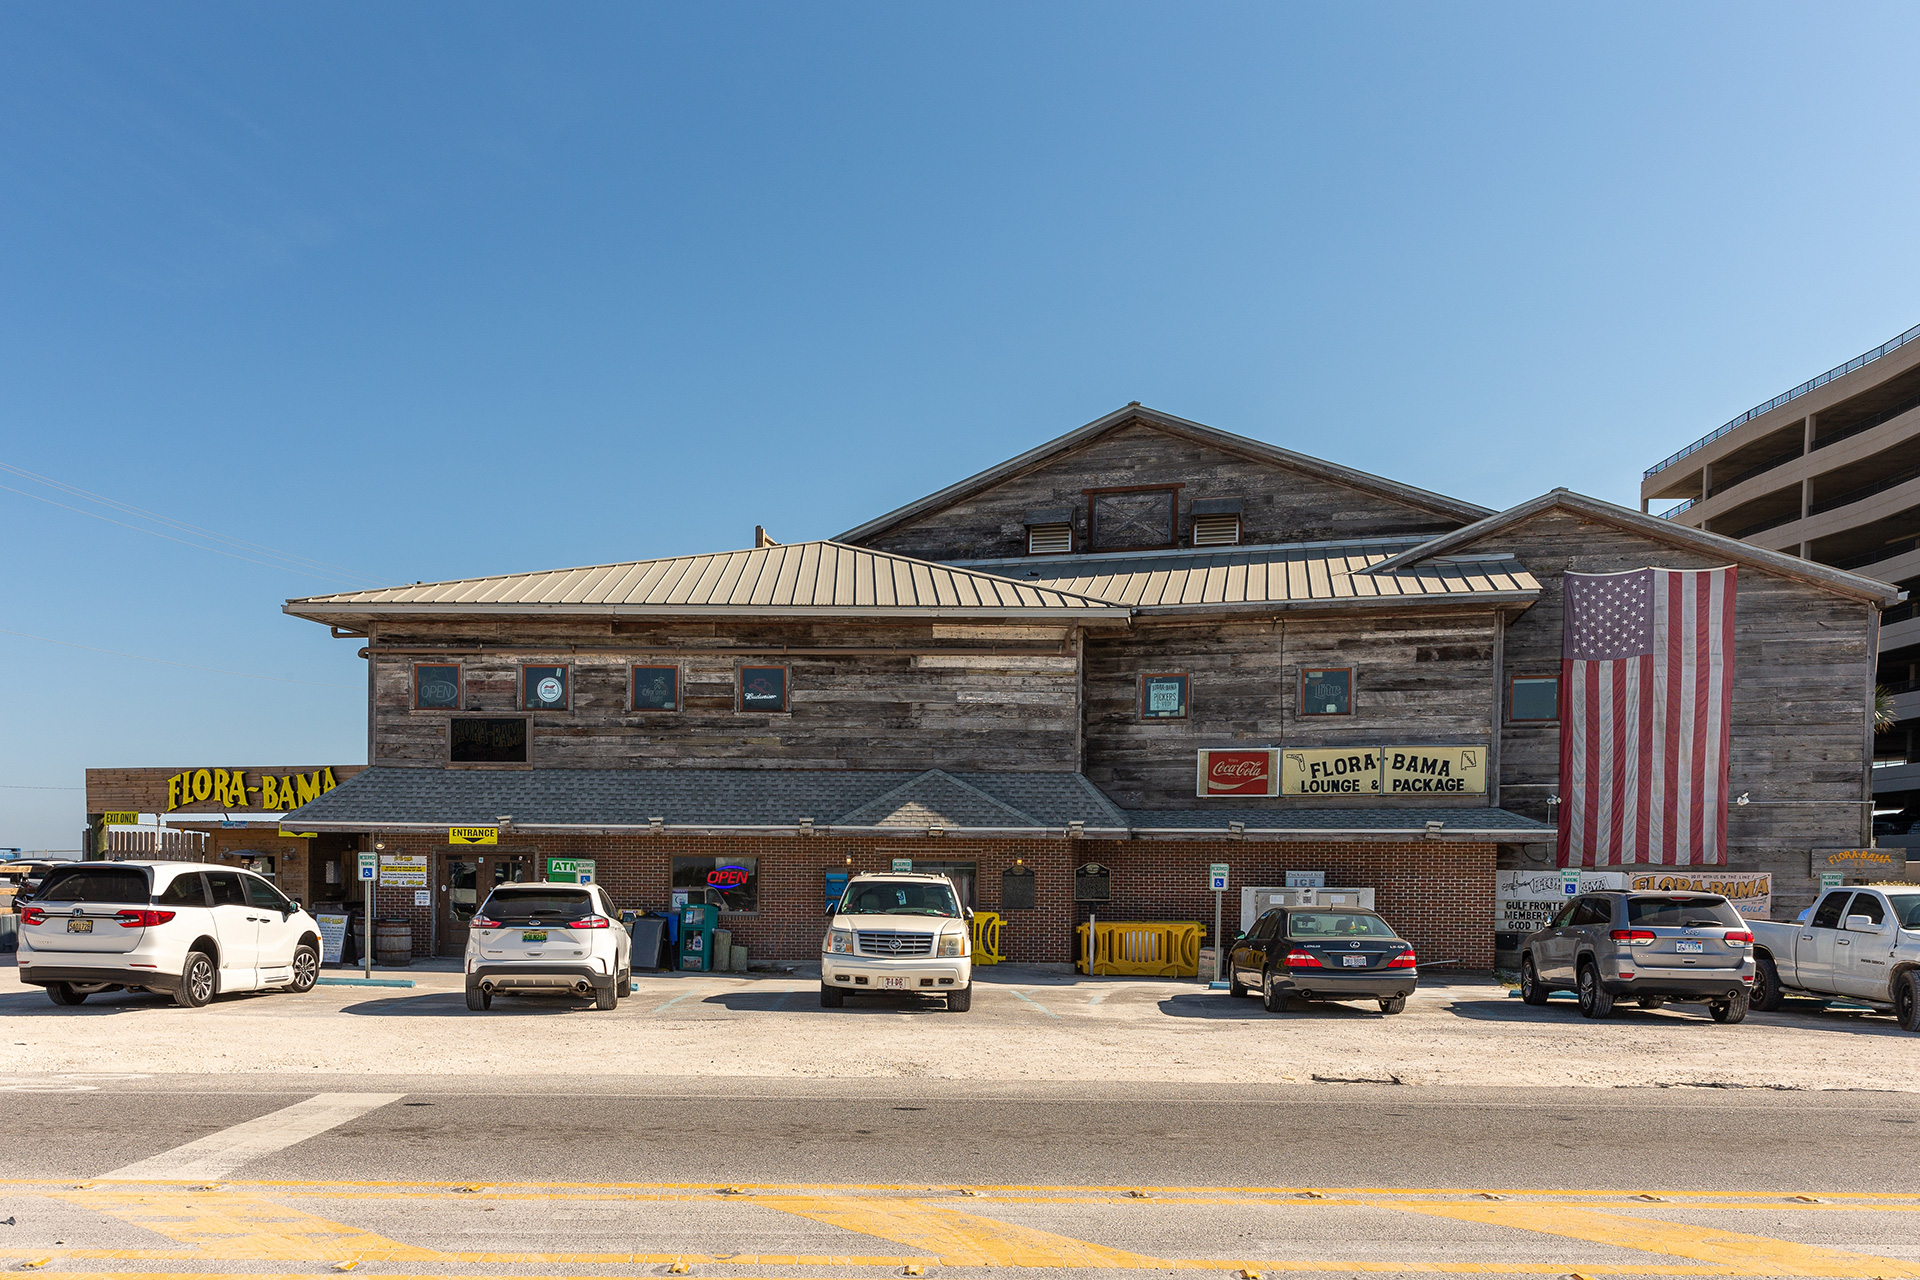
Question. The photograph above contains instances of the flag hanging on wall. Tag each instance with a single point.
(1646, 679)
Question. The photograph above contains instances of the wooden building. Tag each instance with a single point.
(1148, 645)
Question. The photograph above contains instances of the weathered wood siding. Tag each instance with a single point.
(1801, 683)
(966, 707)
(1279, 503)
(1419, 679)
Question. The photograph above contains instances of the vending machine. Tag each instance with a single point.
(697, 923)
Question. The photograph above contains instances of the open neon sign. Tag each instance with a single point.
(728, 877)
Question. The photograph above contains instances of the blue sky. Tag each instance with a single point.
(431, 290)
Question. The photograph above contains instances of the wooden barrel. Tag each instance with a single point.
(393, 942)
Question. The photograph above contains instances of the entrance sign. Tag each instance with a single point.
(403, 870)
(367, 865)
(1254, 772)
(1217, 877)
(1333, 771)
(1435, 770)
(473, 835)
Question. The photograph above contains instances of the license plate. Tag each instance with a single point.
(1684, 944)
(1354, 962)
(893, 984)
(534, 935)
(79, 926)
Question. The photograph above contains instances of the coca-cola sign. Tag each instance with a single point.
(1243, 772)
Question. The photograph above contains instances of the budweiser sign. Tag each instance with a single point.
(1240, 773)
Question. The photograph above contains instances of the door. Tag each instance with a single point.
(1862, 965)
(279, 930)
(1250, 957)
(236, 927)
(466, 878)
(1553, 948)
(1813, 953)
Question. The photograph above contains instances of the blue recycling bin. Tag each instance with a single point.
(697, 923)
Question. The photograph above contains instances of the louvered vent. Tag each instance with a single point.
(1216, 531)
(1049, 539)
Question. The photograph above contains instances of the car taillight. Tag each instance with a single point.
(1739, 937)
(591, 922)
(1405, 960)
(33, 915)
(1633, 937)
(140, 919)
(481, 922)
(1303, 960)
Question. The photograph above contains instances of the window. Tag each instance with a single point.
(900, 898)
(1266, 926)
(1865, 904)
(227, 889)
(1907, 911)
(732, 884)
(1132, 519)
(1828, 916)
(961, 873)
(1534, 698)
(436, 686)
(1682, 913)
(95, 884)
(1216, 522)
(184, 890)
(1593, 911)
(1564, 916)
(656, 688)
(1336, 924)
(264, 895)
(533, 906)
(763, 688)
(543, 688)
(1326, 691)
(1163, 697)
(488, 740)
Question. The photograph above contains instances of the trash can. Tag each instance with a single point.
(697, 923)
(393, 942)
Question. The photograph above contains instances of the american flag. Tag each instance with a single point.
(1646, 679)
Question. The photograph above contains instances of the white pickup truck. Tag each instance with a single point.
(1856, 944)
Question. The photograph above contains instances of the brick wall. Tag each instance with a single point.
(1438, 894)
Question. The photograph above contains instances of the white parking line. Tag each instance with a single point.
(221, 1153)
(1035, 1003)
(683, 996)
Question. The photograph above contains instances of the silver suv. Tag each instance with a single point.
(1644, 946)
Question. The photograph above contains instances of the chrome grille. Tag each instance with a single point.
(890, 942)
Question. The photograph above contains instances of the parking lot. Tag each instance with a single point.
(1025, 1025)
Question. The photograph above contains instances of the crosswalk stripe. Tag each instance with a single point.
(221, 1153)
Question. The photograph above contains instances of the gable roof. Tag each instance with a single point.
(812, 578)
(1296, 573)
(1712, 544)
(1257, 450)
(936, 798)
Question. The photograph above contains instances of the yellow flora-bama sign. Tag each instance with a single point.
(1435, 770)
(1333, 771)
(473, 835)
(229, 789)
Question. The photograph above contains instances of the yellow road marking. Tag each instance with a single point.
(956, 1239)
(1755, 1255)
(225, 1225)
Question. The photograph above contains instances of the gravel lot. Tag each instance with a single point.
(1026, 1025)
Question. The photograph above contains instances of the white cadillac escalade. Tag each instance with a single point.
(898, 933)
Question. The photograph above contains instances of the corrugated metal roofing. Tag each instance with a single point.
(802, 575)
(1266, 575)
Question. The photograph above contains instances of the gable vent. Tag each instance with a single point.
(1049, 539)
(1216, 531)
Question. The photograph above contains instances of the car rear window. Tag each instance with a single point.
(1682, 913)
(550, 904)
(1336, 924)
(95, 884)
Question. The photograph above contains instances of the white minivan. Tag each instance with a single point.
(188, 929)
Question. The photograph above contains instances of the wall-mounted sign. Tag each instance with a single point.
(1862, 864)
(119, 818)
(1306, 879)
(1526, 900)
(731, 876)
(403, 870)
(571, 870)
(1330, 771)
(1435, 770)
(903, 864)
(473, 835)
(229, 789)
(1254, 772)
(1092, 883)
(1751, 892)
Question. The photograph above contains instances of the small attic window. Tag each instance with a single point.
(1216, 522)
(1050, 533)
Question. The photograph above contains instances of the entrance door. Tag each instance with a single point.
(466, 878)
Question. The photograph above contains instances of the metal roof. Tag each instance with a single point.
(802, 577)
(1279, 574)
(1503, 823)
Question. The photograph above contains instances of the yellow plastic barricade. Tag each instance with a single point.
(986, 937)
(1142, 948)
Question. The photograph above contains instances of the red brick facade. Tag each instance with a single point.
(1439, 894)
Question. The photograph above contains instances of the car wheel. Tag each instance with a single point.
(63, 993)
(1235, 987)
(624, 987)
(1271, 996)
(604, 997)
(1653, 1002)
(306, 969)
(831, 997)
(197, 980)
(961, 1000)
(1767, 993)
(478, 1000)
(1532, 990)
(1594, 1000)
(1729, 1011)
(1906, 1000)
(1393, 1004)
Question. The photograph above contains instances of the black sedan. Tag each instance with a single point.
(1323, 953)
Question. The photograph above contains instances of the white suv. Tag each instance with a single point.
(548, 937)
(898, 932)
(188, 929)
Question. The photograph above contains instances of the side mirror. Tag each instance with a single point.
(1861, 924)
(1239, 937)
